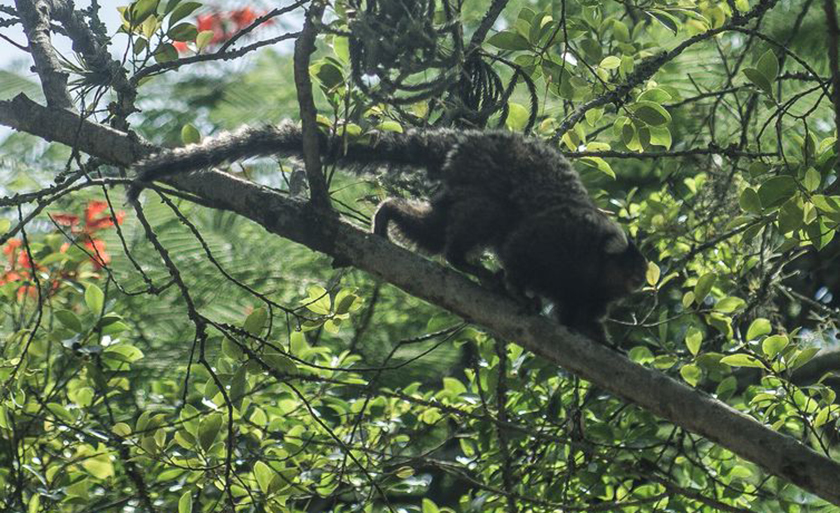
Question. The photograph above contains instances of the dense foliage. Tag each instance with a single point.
(180, 358)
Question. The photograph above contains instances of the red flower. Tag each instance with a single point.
(97, 217)
(16, 256)
(93, 223)
(99, 256)
(10, 249)
(223, 24)
(66, 219)
(9, 277)
(243, 17)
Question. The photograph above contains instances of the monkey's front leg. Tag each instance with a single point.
(532, 305)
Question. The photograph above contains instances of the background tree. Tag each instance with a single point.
(238, 342)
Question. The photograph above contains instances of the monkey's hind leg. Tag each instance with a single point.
(423, 224)
(473, 224)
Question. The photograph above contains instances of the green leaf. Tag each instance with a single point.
(508, 40)
(758, 78)
(822, 417)
(256, 321)
(79, 489)
(209, 429)
(61, 412)
(593, 115)
(772, 345)
(346, 302)
(776, 191)
(729, 304)
(238, 386)
(203, 39)
(819, 234)
(791, 216)
(341, 48)
(828, 204)
(768, 65)
(742, 360)
(454, 386)
(280, 362)
(750, 201)
(720, 322)
(652, 274)
(693, 339)
(665, 361)
(264, 475)
(183, 32)
(94, 298)
(390, 125)
(812, 180)
(651, 113)
(99, 465)
(611, 62)
(141, 10)
(517, 117)
(329, 74)
(660, 136)
(318, 300)
(758, 327)
(804, 357)
(640, 355)
(667, 20)
(182, 11)
(34, 505)
(691, 374)
(69, 320)
(429, 507)
(165, 53)
(123, 353)
(704, 286)
(599, 164)
(185, 503)
(726, 387)
(190, 134)
(621, 32)
(656, 95)
(170, 6)
(404, 472)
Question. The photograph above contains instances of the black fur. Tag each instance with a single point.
(514, 195)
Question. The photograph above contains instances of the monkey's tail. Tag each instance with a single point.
(418, 222)
(412, 148)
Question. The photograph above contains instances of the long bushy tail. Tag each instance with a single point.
(418, 148)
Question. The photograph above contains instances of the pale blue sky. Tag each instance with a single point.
(8, 53)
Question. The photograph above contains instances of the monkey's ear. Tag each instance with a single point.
(616, 244)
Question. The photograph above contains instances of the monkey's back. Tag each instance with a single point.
(524, 172)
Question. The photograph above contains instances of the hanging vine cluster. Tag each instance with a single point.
(396, 45)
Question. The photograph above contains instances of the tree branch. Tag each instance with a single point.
(98, 58)
(304, 46)
(321, 231)
(35, 17)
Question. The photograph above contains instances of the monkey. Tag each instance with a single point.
(501, 191)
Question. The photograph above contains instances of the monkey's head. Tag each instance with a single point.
(624, 267)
